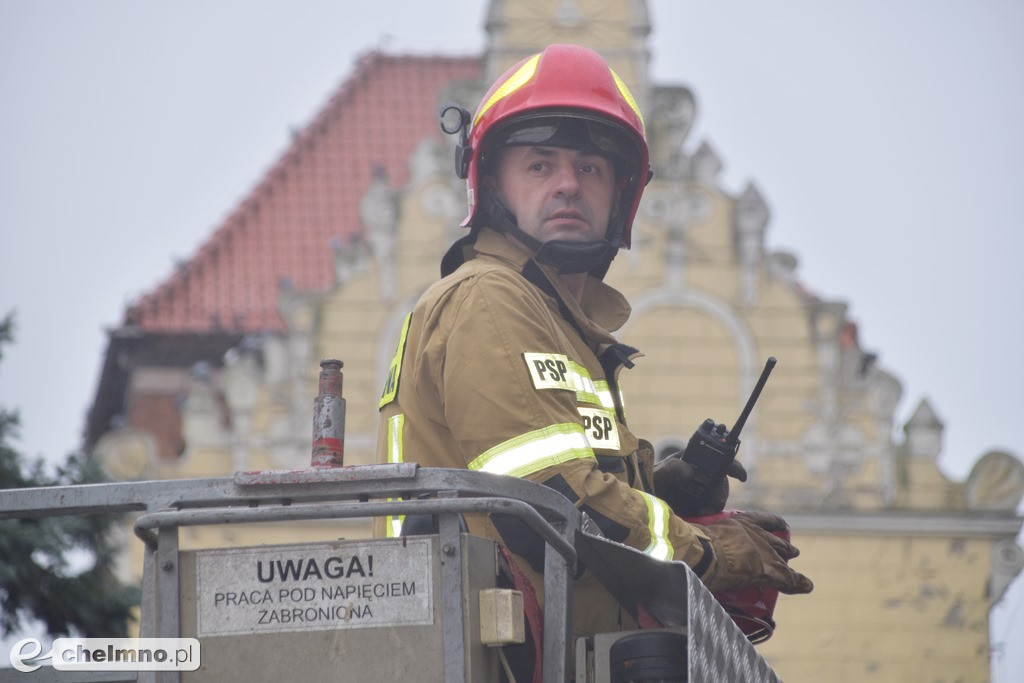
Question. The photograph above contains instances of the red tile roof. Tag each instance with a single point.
(284, 228)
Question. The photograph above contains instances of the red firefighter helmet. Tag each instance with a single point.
(565, 96)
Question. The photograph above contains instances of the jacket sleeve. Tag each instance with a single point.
(513, 413)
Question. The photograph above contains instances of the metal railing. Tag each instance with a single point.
(326, 493)
(717, 649)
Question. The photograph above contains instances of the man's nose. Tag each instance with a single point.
(567, 181)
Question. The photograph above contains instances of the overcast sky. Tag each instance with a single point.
(886, 138)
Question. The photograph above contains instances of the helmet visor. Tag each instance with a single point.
(571, 131)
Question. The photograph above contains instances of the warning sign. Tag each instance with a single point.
(316, 587)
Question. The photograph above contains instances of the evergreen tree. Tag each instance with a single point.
(36, 577)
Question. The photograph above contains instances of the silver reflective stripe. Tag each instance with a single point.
(534, 451)
(604, 394)
(556, 371)
(396, 425)
(658, 516)
(586, 391)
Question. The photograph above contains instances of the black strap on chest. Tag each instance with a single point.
(535, 276)
(614, 356)
(611, 358)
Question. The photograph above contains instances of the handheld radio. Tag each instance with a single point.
(711, 450)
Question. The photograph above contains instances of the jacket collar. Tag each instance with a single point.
(603, 308)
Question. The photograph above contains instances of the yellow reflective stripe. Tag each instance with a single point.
(517, 80)
(604, 394)
(586, 391)
(628, 96)
(658, 515)
(533, 451)
(391, 384)
(557, 371)
(396, 425)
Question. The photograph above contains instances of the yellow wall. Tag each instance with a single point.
(885, 608)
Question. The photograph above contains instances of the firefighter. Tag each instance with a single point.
(508, 365)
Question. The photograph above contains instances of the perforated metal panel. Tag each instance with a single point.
(718, 649)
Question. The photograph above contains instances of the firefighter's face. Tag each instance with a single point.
(555, 192)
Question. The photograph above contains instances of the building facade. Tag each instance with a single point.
(215, 370)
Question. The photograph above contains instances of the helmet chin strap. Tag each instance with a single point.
(566, 256)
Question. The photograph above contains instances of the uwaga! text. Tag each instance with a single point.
(298, 604)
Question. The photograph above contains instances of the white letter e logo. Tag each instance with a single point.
(18, 657)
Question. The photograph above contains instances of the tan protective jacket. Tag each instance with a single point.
(498, 373)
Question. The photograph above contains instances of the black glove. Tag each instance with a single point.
(748, 554)
(673, 473)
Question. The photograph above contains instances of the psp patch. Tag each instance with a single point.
(600, 428)
(390, 392)
(550, 371)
